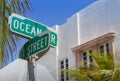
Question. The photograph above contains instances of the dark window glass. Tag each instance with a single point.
(62, 64)
(62, 79)
(84, 56)
(107, 48)
(62, 67)
(66, 63)
(90, 52)
(62, 75)
(91, 61)
(101, 49)
(66, 66)
(90, 58)
(67, 78)
(85, 59)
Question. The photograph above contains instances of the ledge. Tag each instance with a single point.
(98, 40)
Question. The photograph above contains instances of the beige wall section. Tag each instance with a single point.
(94, 46)
(78, 57)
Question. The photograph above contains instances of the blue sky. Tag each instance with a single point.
(52, 12)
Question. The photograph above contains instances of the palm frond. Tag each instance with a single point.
(7, 40)
(116, 74)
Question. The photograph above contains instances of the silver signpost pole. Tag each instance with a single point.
(31, 65)
(31, 71)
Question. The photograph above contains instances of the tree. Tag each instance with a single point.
(104, 69)
(7, 40)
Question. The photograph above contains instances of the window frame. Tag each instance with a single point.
(105, 48)
(65, 66)
(88, 58)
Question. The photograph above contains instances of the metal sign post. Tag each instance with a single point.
(31, 71)
(31, 65)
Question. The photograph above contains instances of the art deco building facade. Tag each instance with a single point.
(96, 27)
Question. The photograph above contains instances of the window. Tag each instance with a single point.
(87, 59)
(90, 57)
(107, 48)
(104, 49)
(64, 65)
(101, 49)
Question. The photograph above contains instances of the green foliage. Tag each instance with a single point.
(103, 70)
(7, 40)
(103, 61)
(77, 75)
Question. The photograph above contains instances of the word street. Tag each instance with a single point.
(35, 45)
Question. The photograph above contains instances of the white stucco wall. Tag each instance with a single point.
(49, 61)
(68, 38)
(99, 18)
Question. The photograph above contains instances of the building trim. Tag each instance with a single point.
(91, 43)
(78, 27)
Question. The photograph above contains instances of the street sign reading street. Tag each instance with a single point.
(35, 45)
(28, 28)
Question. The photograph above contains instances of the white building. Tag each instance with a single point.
(97, 26)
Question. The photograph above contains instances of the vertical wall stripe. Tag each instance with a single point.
(78, 28)
(57, 49)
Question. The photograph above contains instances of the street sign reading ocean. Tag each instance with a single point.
(28, 28)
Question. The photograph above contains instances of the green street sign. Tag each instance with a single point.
(28, 28)
(35, 45)
(53, 39)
